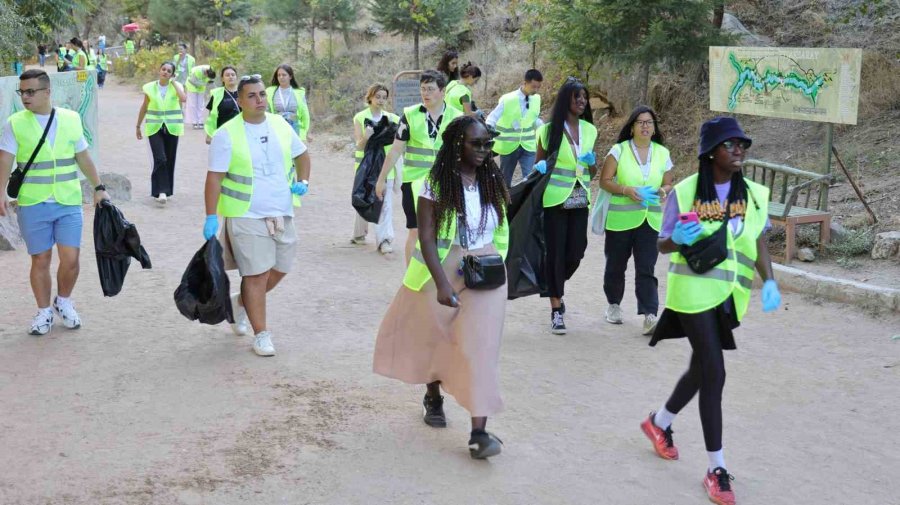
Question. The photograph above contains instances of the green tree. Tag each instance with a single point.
(13, 39)
(434, 18)
(195, 18)
(297, 16)
(626, 33)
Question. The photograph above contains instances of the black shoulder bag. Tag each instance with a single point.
(17, 177)
(480, 272)
(703, 255)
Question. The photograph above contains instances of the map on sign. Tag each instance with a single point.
(791, 83)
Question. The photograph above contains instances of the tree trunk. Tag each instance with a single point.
(312, 38)
(295, 38)
(644, 83)
(533, 54)
(718, 13)
(416, 47)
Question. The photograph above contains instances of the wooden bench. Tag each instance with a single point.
(792, 201)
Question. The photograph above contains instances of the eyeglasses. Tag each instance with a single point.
(729, 145)
(649, 122)
(28, 93)
(252, 76)
(479, 145)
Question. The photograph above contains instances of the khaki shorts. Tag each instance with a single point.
(257, 252)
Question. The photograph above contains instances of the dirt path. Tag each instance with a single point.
(142, 406)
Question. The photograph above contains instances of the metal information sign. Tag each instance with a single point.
(811, 84)
(406, 90)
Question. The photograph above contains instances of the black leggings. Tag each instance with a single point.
(164, 146)
(706, 374)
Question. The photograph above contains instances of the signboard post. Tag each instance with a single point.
(809, 84)
(406, 90)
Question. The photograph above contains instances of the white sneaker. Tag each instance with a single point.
(385, 248)
(41, 323)
(241, 324)
(262, 344)
(67, 312)
(650, 324)
(614, 314)
(358, 240)
(162, 198)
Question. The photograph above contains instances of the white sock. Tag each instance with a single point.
(62, 300)
(663, 418)
(716, 459)
(46, 310)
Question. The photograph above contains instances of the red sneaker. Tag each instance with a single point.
(661, 439)
(718, 486)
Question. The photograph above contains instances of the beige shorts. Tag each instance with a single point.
(255, 250)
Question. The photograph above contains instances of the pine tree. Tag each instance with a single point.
(417, 18)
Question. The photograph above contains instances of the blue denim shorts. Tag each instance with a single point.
(48, 223)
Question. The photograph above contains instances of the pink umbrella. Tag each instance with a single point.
(130, 27)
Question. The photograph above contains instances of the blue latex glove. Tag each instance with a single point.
(299, 189)
(210, 227)
(771, 297)
(588, 158)
(541, 167)
(648, 195)
(686, 234)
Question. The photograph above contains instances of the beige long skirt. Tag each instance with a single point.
(421, 341)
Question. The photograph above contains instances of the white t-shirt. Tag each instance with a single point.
(473, 218)
(162, 89)
(271, 193)
(615, 152)
(495, 114)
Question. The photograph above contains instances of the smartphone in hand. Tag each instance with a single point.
(688, 217)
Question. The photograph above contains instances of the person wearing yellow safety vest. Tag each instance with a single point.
(363, 128)
(258, 170)
(62, 64)
(163, 100)
(184, 62)
(437, 331)
(129, 47)
(459, 93)
(570, 137)
(49, 200)
(102, 68)
(91, 55)
(198, 78)
(419, 138)
(706, 307)
(223, 102)
(80, 59)
(288, 100)
(516, 119)
(637, 174)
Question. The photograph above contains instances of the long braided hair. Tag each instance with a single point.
(706, 201)
(447, 185)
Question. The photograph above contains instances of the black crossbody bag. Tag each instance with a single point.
(17, 177)
(705, 254)
(480, 272)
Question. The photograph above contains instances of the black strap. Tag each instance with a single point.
(40, 143)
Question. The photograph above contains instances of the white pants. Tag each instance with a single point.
(193, 111)
(384, 230)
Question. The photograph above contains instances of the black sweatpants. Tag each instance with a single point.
(705, 374)
(565, 232)
(619, 247)
(164, 146)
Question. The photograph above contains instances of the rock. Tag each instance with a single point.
(10, 237)
(733, 25)
(838, 232)
(118, 186)
(887, 244)
(806, 254)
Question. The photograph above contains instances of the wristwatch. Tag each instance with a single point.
(100, 187)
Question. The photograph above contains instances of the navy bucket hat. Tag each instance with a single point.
(718, 130)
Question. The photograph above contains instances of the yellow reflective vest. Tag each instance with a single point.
(453, 95)
(237, 186)
(421, 150)
(692, 293)
(515, 129)
(163, 111)
(360, 119)
(302, 109)
(624, 213)
(568, 170)
(54, 172)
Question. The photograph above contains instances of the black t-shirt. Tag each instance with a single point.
(228, 108)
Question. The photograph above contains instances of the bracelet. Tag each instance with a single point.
(665, 193)
(99, 187)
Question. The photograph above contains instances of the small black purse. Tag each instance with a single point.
(703, 255)
(483, 272)
(17, 177)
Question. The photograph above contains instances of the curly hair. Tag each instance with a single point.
(447, 186)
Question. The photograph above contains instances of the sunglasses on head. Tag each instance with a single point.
(249, 77)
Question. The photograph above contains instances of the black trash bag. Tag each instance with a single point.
(526, 259)
(205, 291)
(116, 241)
(363, 196)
